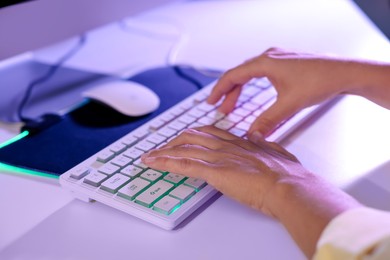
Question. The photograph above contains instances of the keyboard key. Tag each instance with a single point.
(79, 172)
(250, 119)
(243, 126)
(129, 141)
(95, 178)
(176, 125)
(196, 124)
(258, 112)
(263, 97)
(145, 145)
(167, 132)
(156, 138)
(114, 183)
(109, 169)
(140, 164)
(237, 132)
(121, 161)
(131, 171)
(133, 153)
(242, 112)
(233, 118)
(174, 178)
(252, 82)
(153, 193)
(243, 98)
(197, 113)
(133, 188)
(166, 205)
(205, 107)
(207, 120)
(216, 115)
(105, 155)
(224, 124)
(201, 97)
(187, 105)
(186, 119)
(117, 148)
(195, 183)
(166, 117)
(250, 106)
(177, 111)
(250, 91)
(156, 124)
(140, 133)
(263, 83)
(182, 192)
(151, 175)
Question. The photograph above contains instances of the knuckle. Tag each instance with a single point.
(266, 124)
(187, 133)
(206, 128)
(273, 49)
(185, 163)
(229, 75)
(162, 160)
(183, 147)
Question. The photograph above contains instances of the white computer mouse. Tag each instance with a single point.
(127, 97)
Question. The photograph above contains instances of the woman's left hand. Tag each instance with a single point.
(229, 163)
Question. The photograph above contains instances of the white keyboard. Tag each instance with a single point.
(116, 176)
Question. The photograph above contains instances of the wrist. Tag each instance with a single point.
(370, 80)
(305, 206)
(308, 192)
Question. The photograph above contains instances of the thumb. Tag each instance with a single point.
(267, 122)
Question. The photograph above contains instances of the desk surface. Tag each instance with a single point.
(39, 220)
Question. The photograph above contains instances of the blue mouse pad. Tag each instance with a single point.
(93, 126)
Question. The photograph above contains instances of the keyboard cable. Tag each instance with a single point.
(34, 125)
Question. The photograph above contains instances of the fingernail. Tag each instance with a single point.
(256, 136)
(149, 160)
(145, 157)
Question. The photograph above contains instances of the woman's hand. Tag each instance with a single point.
(301, 80)
(243, 170)
(261, 175)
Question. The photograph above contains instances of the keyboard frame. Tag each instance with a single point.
(89, 193)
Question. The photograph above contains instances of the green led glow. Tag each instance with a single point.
(14, 169)
(14, 139)
(175, 208)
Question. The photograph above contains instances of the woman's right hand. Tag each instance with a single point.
(301, 80)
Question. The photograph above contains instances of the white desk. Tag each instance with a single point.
(347, 144)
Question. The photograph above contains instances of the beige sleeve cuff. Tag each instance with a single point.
(361, 233)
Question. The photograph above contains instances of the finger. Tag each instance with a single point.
(232, 142)
(221, 142)
(272, 147)
(215, 131)
(186, 166)
(266, 123)
(186, 151)
(230, 100)
(236, 77)
(197, 137)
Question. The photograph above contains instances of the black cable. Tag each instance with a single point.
(53, 69)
